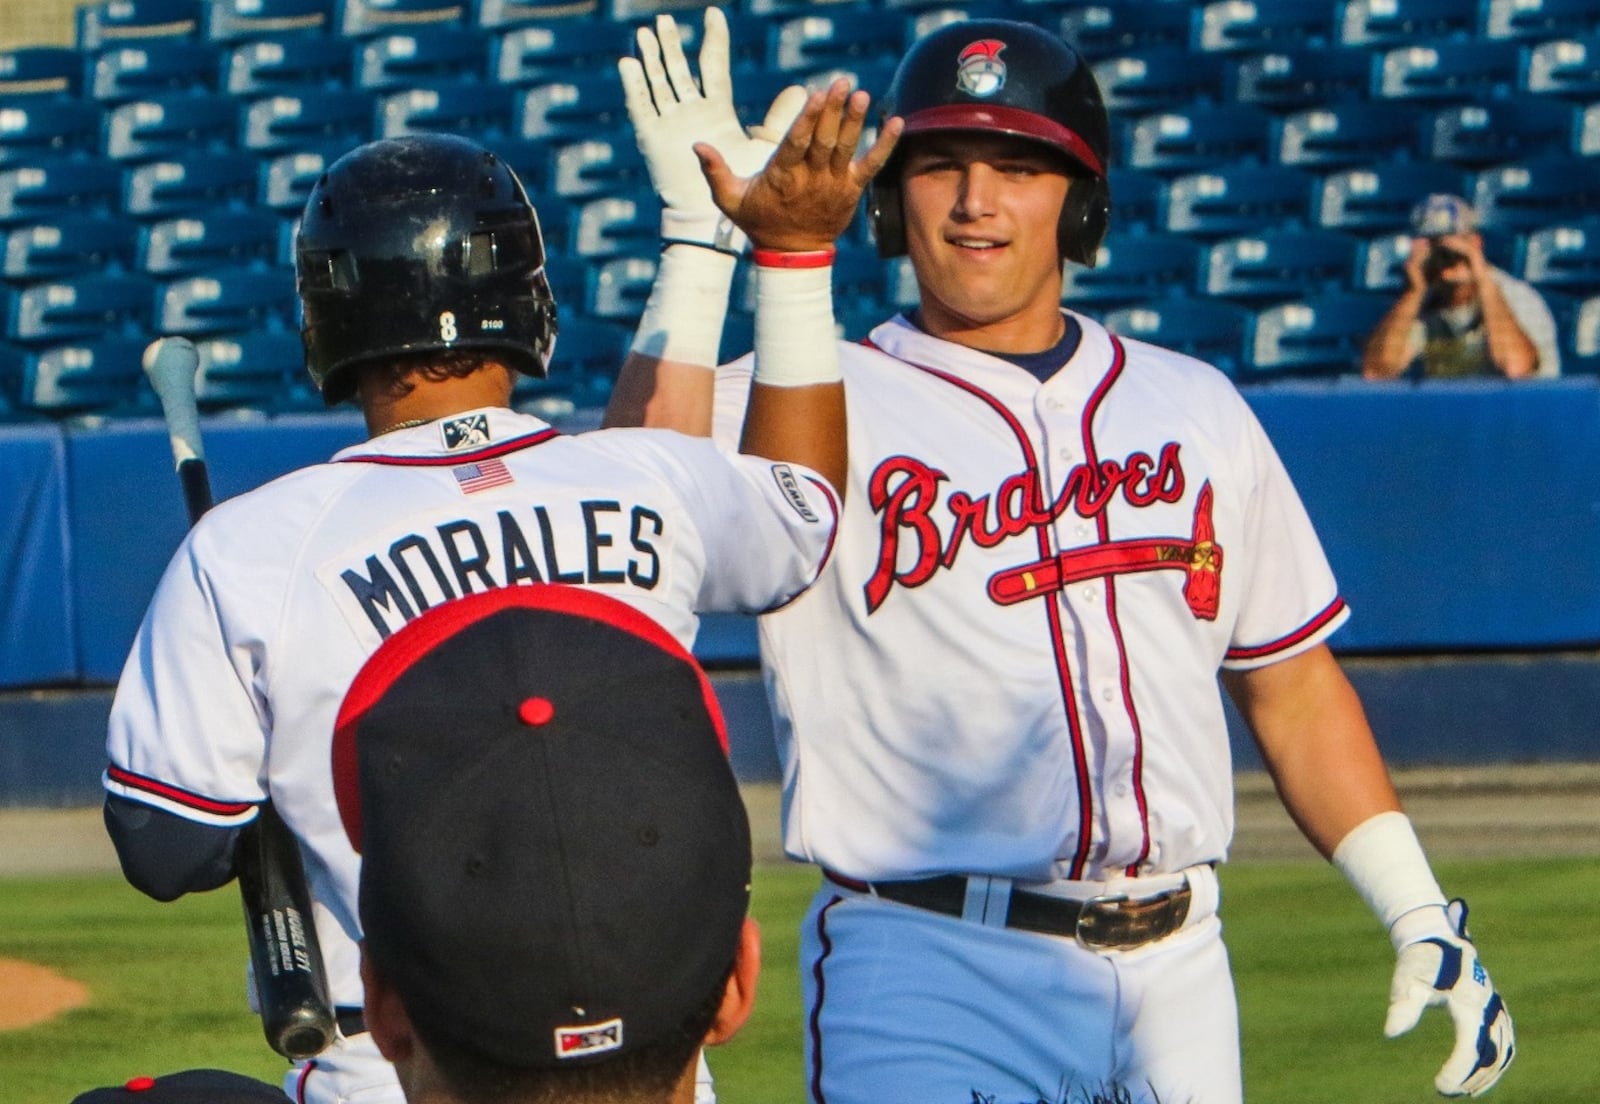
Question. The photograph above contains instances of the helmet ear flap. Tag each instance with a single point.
(1085, 217)
(887, 216)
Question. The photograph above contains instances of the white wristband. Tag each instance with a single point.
(682, 320)
(1383, 859)
(795, 342)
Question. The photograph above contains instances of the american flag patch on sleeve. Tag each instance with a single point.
(482, 475)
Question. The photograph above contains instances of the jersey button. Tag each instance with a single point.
(1120, 789)
(1107, 693)
(1090, 594)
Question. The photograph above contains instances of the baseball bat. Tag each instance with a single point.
(291, 980)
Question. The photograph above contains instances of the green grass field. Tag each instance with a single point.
(1312, 973)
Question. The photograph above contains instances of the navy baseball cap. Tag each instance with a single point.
(555, 856)
(196, 1086)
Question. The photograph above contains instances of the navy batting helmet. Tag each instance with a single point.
(420, 244)
(1002, 77)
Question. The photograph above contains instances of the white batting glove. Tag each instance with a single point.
(1440, 967)
(670, 113)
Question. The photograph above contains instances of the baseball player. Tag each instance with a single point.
(580, 931)
(421, 274)
(997, 710)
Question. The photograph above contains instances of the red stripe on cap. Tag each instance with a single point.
(417, 638)
(1007, 120)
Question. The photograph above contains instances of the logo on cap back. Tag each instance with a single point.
(580, 1042)
(979, 70)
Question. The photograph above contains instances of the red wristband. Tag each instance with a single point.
(777, 258)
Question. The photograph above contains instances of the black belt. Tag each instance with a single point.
(1108, 922)
(351, 1021)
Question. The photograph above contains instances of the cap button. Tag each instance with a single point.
(140, 1084)
(536, 711)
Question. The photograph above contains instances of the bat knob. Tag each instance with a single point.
(305, 1035)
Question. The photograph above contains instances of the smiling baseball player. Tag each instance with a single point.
(998, 710)
(276, 597)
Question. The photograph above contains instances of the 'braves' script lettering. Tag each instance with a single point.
(904, 491)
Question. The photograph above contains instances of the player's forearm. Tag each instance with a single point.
(1388, 350)
(1510, 351)
(1316, 744)
(663, 394)
(805, 425)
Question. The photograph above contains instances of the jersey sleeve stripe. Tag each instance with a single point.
(1336, 609)
(140, 783)
(832, 498)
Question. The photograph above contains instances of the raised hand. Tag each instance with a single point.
(806, 195)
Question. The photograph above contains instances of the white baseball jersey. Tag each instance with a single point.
(1009, 666)
(276, 598)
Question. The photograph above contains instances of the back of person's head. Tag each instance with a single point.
(996, 76)
(555, 856)
(420, 248)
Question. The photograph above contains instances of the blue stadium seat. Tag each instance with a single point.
(1494, 131)
(78, 307)
(1564, 257)
(499, 14)
(611, 226)
(1539, 20)
(1381, 261)
(1315, 336)
(190, 125)
(298, 117)
(226, 300)
(1251, 26)
(639, 11)
(788, 7)
(202, 240)
(617, 289)
(836, 38)
(404, 58)
(571, 108)
(472, 109)
(925, 16)
(1380, 197)
(1159, 78)
(1445, 72)
(283, 180)
(253, 369)
(1222, 202)
(560, 51)
(1580, 330)
(40, 71)
(174, 186)
(266, 20)
(584, 347)
(599, 166)
(1288, 80)
(79, 376)
(1526, 195)
(1355, 132)
(1586, 139)
(1205, 329)
(1179, 140)
(1382, 23)
(264, 66)
(1112, 28)
(1135, 199)
(1134, 267)
(67, 246)
(360, 18)
(52, 187)
(134, 70)
(101, 24)
(1568, 67)
(1278, 264)
(39, 126)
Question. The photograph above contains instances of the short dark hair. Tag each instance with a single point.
(648, 1073)
(398, 375)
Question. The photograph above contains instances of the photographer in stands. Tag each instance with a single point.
(1460, 315)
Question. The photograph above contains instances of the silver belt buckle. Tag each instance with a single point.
(1093, 918)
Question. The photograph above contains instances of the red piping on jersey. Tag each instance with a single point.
(300, 1082)
(1103, 524)
(1310, 628)
(827, 553)
(815, 1025)
(1080, 759)
(173, 793)
(488, 452)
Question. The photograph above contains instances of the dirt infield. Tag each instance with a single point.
(1478, 812)
(35, 994)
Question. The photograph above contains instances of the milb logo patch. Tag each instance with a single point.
(466, 432)
(789, 483)
(580, 1042)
